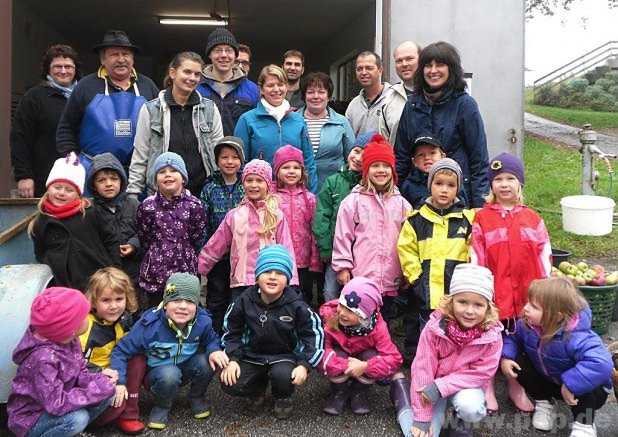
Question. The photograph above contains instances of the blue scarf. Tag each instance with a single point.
(66, 91)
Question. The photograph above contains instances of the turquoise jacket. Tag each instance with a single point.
(263, 136)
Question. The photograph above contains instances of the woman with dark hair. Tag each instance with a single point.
(441, 107)
(330, 133)
(179, 120)
(33, 132)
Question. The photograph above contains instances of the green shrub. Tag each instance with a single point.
(613, 76)
(613, 90)
(577, 85)
(593, 91)
(546, 96)
(603, 102)
(604, 83)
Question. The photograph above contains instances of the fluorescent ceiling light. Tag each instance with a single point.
(193, 21)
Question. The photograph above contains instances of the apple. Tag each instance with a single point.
(564, 266)
(582, 266)
(611, 279)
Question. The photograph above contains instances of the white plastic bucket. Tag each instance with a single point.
(587, 215)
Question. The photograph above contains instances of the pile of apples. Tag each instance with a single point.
(583, 274)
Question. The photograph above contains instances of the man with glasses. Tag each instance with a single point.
(224, 82)
(244, 58)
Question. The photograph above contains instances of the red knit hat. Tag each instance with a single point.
(57, 313)
(378, 150)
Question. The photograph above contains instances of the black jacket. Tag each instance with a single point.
(33, 135)
(117, 215)
(285, 330)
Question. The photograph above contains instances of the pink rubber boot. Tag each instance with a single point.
(518, 396)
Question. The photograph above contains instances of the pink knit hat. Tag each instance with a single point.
(57, 313)
(262, 169)
(361, 296)
(285, 154)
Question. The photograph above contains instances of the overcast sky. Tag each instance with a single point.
(552, 41)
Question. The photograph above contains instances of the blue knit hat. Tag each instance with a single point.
(274, 257)
(363, 139)
(169, 159)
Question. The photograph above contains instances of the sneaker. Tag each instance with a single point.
(544, 416)
(130, 426)
(200, 408)
(158, 418)
(581, 430)
(283, 408)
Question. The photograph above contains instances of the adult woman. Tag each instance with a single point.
(179, 120)
(441, 107)
(33, 133)
(272, 125)
(330, 133)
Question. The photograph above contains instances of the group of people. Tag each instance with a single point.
(186, 240)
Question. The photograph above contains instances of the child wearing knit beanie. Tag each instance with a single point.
(53, 391)
(368, 225)
(263, 328)
(525, 239)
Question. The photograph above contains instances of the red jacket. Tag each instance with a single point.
(384, 365)
(514, 245)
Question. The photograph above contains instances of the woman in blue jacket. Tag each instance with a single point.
(273, 124)
(441, 105)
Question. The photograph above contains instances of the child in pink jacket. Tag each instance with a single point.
(368, 225)
(298, 206)
(255, 223)
(458, 354)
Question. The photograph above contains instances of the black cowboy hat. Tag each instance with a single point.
(116, 38)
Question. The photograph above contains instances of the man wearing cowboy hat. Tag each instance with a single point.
(101, 114)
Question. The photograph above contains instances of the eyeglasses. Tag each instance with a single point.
(246, 63)
(222, 50)
(60, 67)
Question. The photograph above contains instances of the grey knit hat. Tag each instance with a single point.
(471, 278)
(182, 286)
(445, 164)
(233, 142)
(221, 36)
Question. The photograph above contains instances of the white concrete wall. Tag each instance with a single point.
(489, 35)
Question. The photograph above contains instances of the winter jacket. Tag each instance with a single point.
(575, 356)
(382, 366)
(368, 226)
(456, 121)
(117, 215)
(336, 187)
(171, 232)
(67, 135)
(218, 199)
(238, 235)
(153, 336)
(262, 136)
(101, 337)
(391, 112)
(152, 138)
(284, 330)
(452, 368)
(298, 206)
(51, 378)
(364, 118)
(74, 247)
(244, 96)
(33, 134)
(514, 245)
(336, 141)
(431, 243)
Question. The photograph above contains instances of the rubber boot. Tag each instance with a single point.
(358, 398)
(518, 396)
(490, 398)
(400, 396)
(339, 394)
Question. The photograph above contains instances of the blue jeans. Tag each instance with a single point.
(332, 288)
(70, 424)
(165, 381)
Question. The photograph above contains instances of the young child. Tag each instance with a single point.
(255, 223)
(426, 150)
(107, 182)
(67, 233)
(222, 192)
(298, 206)
(357, 346)
(271, 334)
(555, 354)
(180, 345)
(112, 300)
(458, 354)
(336, 187)
(170, 226)
(433, 240)
(53, 393)
(368, 225)
(511, 240)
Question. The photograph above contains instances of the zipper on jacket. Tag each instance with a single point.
(179, 352)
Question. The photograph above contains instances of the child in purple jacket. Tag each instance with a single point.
(53, 392)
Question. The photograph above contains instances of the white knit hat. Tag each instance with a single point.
(68, 169)
(471, 278)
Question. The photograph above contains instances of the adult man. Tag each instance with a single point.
(101, 114)
(224, 82)
(294, 67)
(244, 58)
(365, 110)
(406, 60)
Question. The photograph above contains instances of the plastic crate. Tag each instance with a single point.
(601, 300)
